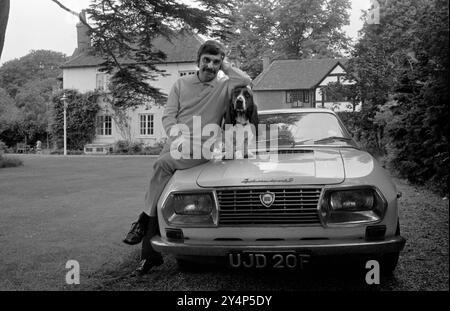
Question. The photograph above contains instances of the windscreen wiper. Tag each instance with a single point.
(332, 138)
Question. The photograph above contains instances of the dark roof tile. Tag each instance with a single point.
(182, 48)
(294, 74)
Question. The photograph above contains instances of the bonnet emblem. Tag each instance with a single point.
(267, 198)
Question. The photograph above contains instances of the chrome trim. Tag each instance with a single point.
(214, 212)
(310, 212)
(350, 224)
(323, 247)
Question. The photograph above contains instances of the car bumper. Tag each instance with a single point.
(314, 248)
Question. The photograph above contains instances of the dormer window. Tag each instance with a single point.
(101, 81)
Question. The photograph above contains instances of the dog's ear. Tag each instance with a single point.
(230, 118)
(253, 117)
(253, 114)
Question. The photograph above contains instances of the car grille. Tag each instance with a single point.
(292, 206)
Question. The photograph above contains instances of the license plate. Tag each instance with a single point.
(289, 260)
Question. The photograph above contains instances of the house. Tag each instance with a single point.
(81, 72)
(299, 83)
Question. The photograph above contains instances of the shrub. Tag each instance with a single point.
(136, 148)
(152, 150)
(3, 147)
(364, 131)
(9, 162)
(69, 152)
(121, 146)
(81, 118)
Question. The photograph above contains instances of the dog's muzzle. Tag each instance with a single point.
(240, 104)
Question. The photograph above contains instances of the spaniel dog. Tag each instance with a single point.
(239, 117)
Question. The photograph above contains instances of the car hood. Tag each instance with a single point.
(310, 167)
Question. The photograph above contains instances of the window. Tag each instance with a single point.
(146, 124)
(336, 94)
(294, 96)
(187, 72)
(104, 125)
(101, 81)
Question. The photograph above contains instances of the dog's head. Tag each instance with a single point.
(242, 109)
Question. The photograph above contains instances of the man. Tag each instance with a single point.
(204, 95)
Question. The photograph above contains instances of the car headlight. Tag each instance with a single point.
(359, 205)
(190, 208)
(191, 204)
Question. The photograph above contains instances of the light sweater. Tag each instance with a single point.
(190, 97)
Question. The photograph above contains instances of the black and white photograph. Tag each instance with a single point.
(224, 151)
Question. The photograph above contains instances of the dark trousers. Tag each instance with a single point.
(147, 251)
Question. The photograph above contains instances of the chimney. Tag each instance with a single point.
(83, 39)
(266, 60)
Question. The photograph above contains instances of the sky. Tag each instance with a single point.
(41, 24)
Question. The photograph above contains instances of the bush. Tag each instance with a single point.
(137, 148)
(121, 147)
(82, 110)
(69, 152)
(364, 131)
(3, 147)
(152, 150)
(9, 162)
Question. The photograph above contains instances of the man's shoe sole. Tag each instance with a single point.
(130, 242)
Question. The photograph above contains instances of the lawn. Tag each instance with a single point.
(55, 208)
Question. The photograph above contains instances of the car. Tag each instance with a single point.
(314, 195)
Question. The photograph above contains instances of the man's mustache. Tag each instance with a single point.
(209, 70)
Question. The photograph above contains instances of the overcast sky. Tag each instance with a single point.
(41, 24)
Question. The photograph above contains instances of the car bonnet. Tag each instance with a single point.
(308, 167)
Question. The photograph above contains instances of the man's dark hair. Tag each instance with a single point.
(211, 47)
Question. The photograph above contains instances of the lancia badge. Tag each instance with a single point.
(267, 198)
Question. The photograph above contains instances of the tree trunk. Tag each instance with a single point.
(4, 14)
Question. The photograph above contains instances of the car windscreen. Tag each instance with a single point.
(297, 129)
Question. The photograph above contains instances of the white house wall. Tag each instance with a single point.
(84, 80)
(338, 70)
(81, 79)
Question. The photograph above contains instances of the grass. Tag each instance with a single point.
(9, 162)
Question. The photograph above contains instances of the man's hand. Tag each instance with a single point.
(226, 65)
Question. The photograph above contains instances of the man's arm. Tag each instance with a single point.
(236, 76)
(170, 113)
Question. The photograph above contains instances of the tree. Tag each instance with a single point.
(122, 33)
(29, 83)
(8, 110)
(4, 14)
(35, 66)
(402, 66)
(343, 92)
(288, 29)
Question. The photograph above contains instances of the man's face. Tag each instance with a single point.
(209, 66)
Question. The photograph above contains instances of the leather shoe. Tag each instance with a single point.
(146, 264)
(136, 234)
